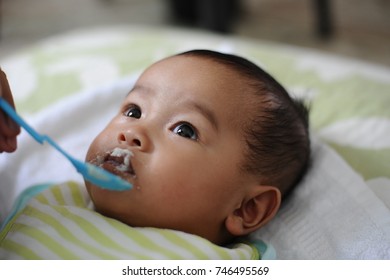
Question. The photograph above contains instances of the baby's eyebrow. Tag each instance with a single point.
(138, 87)
(206, 112)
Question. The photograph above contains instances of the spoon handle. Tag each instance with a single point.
(92, 173)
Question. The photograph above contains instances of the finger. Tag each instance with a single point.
(8, 128)
(5, 90)
(8, 145)
(7, 125)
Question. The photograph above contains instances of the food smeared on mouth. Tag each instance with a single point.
(122, 156)
(118, 161)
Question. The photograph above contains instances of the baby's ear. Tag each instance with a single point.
(259, 207)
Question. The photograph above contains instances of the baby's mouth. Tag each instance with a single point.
(117, 162)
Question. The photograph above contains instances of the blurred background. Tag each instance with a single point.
(354, 28)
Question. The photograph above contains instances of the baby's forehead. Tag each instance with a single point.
(217, 73)
(220, 87)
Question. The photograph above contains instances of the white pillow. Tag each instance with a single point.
(332, 214)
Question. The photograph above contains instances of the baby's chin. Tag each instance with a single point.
(105, 201)
(98, 193)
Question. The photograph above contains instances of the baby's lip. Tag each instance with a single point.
(118, 162)
(113, 168)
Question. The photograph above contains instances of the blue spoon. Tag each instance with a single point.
(92, 173)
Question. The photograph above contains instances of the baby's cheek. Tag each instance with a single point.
(96, 146)
(91, 151)
(101, 198)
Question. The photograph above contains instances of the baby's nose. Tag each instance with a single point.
(134, 138)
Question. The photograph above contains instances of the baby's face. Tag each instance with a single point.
(182, 122)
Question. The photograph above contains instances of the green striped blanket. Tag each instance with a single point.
(59, 223)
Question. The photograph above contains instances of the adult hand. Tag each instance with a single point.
(8, 128)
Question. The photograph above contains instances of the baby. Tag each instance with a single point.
(211, 144)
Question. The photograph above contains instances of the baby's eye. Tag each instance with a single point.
(133, 112)
(186, 130)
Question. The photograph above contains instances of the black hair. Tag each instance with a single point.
(277, 136)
